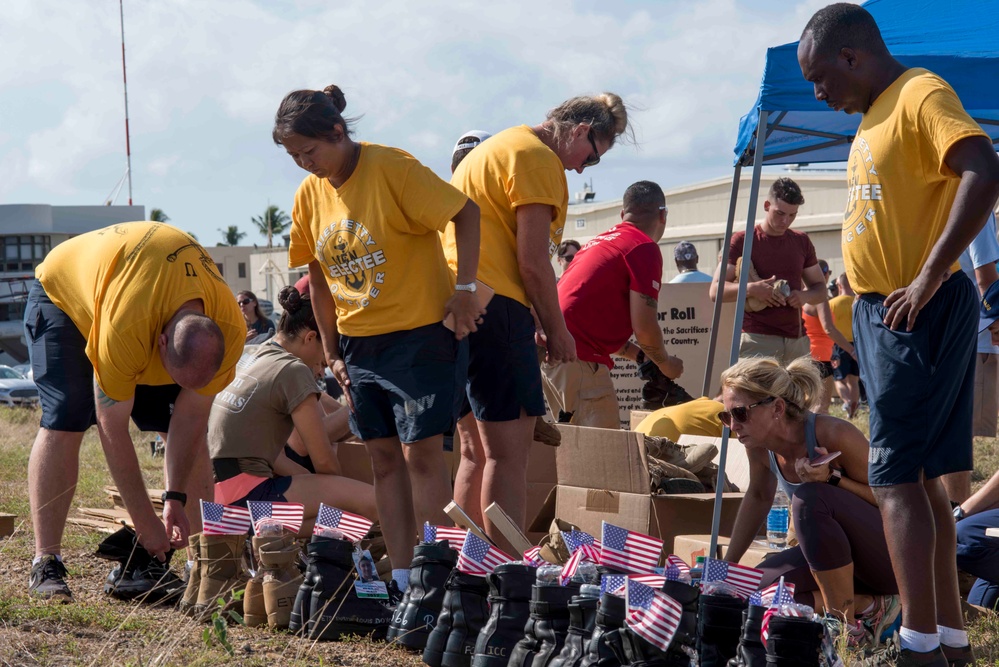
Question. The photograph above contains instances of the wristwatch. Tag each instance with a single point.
(467, 287)
(175, 495)
(834, 477)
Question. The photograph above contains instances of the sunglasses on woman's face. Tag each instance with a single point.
(243, 302)
(594, 158)
(740, 413)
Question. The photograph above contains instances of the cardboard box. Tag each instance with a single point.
(637, 417)
(7, 524)
(603, 475)
(689, 547)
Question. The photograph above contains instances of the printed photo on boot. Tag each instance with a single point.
(368, 585)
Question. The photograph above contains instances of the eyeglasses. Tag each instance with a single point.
(243, 302)
(664, 209)
(741, 413)
(594, 159)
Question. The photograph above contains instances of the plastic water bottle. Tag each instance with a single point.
(777, 521)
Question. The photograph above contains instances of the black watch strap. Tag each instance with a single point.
(835, 477)
(174, 495)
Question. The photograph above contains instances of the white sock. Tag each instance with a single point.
(190, 565)
(952, 637)
(401, 578)
(38, 559)
(921, 642)
(870, 609)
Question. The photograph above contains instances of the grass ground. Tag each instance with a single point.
(97, 630)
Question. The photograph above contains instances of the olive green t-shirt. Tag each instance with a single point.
(251, 418)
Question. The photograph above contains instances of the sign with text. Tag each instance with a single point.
(685, 312)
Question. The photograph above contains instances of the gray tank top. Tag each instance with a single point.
(810, 444)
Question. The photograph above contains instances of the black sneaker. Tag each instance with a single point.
(48, 580)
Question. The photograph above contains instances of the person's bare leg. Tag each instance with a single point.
(836, 591)
(53, 469)
(504, 478)
(429, 479)
(468, 481)
(394, 499)
(828, 385)
(911, 536)
(343, 493)
(948, 595)
(957, 486)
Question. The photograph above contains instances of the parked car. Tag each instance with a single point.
(24, 370)
(15, 389)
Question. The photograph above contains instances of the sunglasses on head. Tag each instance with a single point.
(741, 413)
(243, 302)
(594, 159)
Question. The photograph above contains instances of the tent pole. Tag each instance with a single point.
(716, 315)
(740, 311)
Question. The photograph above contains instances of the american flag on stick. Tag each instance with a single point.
(455, 536)
(629, 551)
(219, 519)
(675, 567)
(742, 578)
(575, 539)
(652, 614)
(774, 594)
(288, 515)
(584, 553)
(478, 557)
(781, 596)
(353, 526)
(533, 557)
(613, 584)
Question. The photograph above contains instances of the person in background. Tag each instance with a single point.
(566, 253)
(841, 563)
(978, 553)
(846, 371)
(366, 222)
(257, 326)
(517, 177)
(819, 327)
(696, 417)
(465, 144)
(685, 256)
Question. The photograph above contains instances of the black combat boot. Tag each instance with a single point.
(463, 614)
(582, 619)
(794, 642)
(686, 631)
(605, 643)
(719, 625)
(543, 641)
(417, 614)
(509, 601)
(751, 651)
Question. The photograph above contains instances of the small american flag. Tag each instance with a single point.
(288, 515)
(478, 557)
(577, 538)
(743, 579)
(652, 580)
(774, 594)
(652, 614)
(533, 557)
(613, 584)
(354, 526)
(630, 551)
(583, 553)
(455, 536)
(224, 519)
(780, 597)
(675, 567)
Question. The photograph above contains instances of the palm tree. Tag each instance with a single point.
(231, 235)
(157, 215)
(272, 223)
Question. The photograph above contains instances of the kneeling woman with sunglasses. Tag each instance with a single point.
(842, 562)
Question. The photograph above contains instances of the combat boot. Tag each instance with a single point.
(582, 619)
(417, 614)
(190, 599)
(281, 581)
(544, 638)
(301, 611)
(509, 607)
(751, 651)
(686, 631)
(794, 642)
(719, 626)
(463, 615)
(222, 573)
(335, 608)
(602, 649)
(254, 610)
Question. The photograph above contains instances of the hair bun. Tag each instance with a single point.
(334, 93)
(290, 299)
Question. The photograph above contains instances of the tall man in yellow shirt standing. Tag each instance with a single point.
(923, 177)
(128, 321)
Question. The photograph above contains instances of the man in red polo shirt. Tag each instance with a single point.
(609, 291)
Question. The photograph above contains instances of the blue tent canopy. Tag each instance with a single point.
(957, 40)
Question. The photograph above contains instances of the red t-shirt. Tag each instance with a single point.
(784, 256)
(594, 292)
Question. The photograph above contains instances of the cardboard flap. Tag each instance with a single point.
(602, 459)
(545, 515)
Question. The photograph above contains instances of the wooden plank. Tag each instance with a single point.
(508, 528)
(461, 520)
(111, 515)
(102, 526)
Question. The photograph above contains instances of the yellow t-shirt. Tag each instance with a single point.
(697, 417)
(900, 188)
(121, 285)
(376, 238)
(842, 312)
(511, 169)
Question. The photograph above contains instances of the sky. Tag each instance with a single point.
(205, 78)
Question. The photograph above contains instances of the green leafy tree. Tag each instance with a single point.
(272, 223)
(231, 235)
(157, 215)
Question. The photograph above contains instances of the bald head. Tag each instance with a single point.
(192, 347)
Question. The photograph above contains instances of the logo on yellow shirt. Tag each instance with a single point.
(864, 189)
(354, 261)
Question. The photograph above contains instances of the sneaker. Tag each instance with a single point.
(881, 621)
(48, 580)
(894, 654)
(958, 657)
(146, 581)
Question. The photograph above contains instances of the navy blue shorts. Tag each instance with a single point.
(269, 490)
(504, 376)
(920, 384)
(65, 376)
(843, 363)
(405, 383)
(303, 460)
